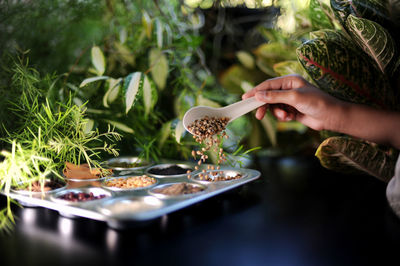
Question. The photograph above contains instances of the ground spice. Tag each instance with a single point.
(170, 170)
(179, 189)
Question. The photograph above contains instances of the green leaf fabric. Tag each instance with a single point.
(350, 155)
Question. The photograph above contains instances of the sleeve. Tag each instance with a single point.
(393, 190)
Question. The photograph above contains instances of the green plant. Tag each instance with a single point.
(45, 134)
(360, 64)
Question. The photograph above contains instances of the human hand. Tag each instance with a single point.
(291, 97)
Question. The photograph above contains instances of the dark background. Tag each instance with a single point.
(296, 213)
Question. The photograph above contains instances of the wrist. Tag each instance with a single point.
(339, 117)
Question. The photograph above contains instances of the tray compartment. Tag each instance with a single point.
(156, 169)
(180, 190)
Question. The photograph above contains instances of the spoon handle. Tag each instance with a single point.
(240, 108)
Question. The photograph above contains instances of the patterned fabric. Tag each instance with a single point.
(393, 190)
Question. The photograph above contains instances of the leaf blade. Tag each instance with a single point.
(373, 39)
(132, 84)
(158, 67)
(98, 60)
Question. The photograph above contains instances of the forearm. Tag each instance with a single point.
(379, 126)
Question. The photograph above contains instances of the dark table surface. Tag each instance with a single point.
(297, 213)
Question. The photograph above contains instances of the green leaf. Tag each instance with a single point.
(275, 52)
(245, 59)
(246, 86)
(165, 133)
(206, 102)
(184, 102)
(269, 125)
(232, 78)
(373, 39)
(349, 155)
(125, 54)
(319, 19)
(89, 125)
(132, 84)
(346, 73)
(149, 95)
(159, 67)
(147, 23)
(120, 126)
(159, 33)
(98, 60)
(289, 67)
(112, 93)
(177, 129)
(90, 80)
(374, 10)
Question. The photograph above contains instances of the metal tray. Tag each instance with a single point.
(124, 207)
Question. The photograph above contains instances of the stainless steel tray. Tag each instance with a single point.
(130, 206)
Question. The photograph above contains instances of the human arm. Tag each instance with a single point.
(320, 111)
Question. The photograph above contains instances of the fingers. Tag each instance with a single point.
(260, 113)
(289, 97)
(280, 83)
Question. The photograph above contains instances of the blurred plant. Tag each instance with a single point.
(147, 73)
(276, 57)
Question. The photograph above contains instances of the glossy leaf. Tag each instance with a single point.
(159, 67)
(349, 155)
(345, 72)
(373, 39)
(132, 84)
(98, 60)
(90, 80)
(375, 10)
(332, 36)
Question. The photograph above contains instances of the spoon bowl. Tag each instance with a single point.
(231, 111)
